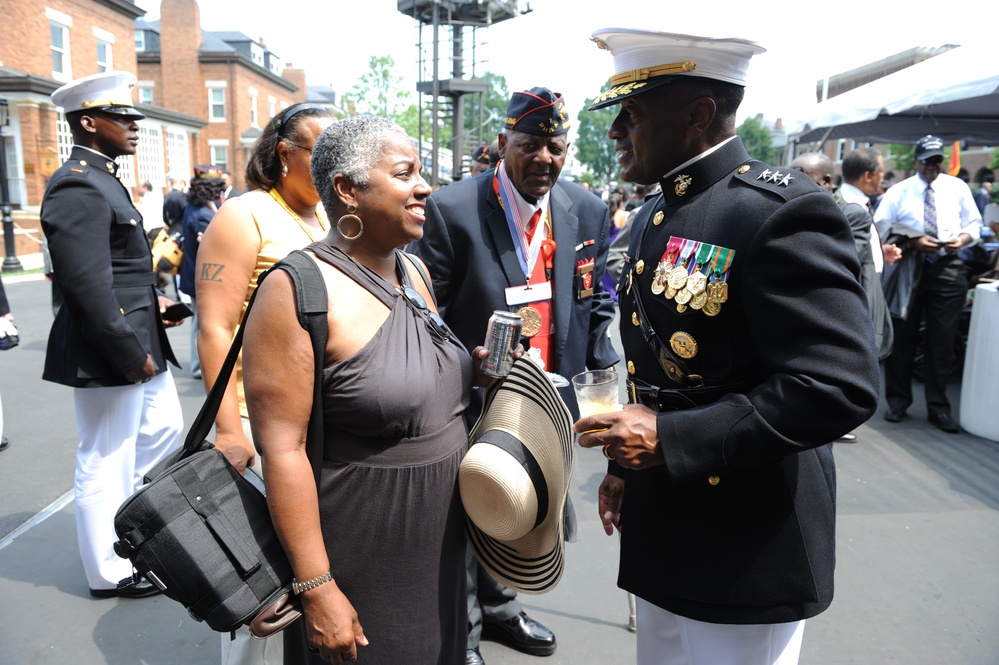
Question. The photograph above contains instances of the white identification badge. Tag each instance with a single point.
(518, 295)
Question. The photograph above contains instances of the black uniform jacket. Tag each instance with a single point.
(101, 261)
(469, 250)
(738, 526)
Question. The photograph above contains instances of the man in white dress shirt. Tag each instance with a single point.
(933, 215)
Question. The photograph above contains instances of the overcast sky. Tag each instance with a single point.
(333, 40)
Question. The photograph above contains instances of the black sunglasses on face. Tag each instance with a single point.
(435, 324)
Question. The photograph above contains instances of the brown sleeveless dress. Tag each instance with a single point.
(391, 515)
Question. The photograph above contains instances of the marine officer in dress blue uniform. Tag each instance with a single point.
(748, 348)
(108, 340)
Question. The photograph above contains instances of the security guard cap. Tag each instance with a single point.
(109, 92)
(646, 59)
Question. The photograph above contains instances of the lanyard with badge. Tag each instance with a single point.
(526, 255)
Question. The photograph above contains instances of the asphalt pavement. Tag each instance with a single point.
(918, 537)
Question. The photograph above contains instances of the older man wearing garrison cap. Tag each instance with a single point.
(108, 340)
(749, 348)
(517, 238)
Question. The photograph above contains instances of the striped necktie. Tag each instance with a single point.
(929, 213)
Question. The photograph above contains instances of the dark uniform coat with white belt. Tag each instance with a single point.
(469, 250)
(738, 526)
(111, 319)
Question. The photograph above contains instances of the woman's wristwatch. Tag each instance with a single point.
(298, 587)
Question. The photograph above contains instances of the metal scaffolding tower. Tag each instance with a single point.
(462, 19)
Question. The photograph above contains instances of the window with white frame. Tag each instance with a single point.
(178, 154)
(216, 100)
(126, 170)
(145, 92)
(257, 54)
(140, 40)
(271, 107)
(64, 137)
(105, 44)
(218, 151)
(61, 70)
(149, 155)
(105, 62)
(254, 118)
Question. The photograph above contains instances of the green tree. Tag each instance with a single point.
(593, 149)
(757, 139)
(902, 155)
(378, 91)
(493, 110)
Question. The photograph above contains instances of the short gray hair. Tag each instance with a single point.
(352, 147)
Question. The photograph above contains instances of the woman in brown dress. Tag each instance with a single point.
(380, 546)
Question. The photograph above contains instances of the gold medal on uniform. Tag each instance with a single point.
(711, 308)
(669, 293)
(531, 321)
(683, 344)
(682, 297)
(659, 281)
(718, 271)
(698, 301)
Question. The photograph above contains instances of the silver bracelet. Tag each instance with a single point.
(298, 587)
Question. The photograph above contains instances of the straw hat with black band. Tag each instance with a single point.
(514, 481)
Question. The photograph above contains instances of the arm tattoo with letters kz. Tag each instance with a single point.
(211, 272)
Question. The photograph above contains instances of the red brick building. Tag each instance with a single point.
(230, 81)
(44, 44)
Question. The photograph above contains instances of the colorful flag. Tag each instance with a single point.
(955, 159)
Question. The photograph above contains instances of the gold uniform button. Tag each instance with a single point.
(132, 222)
(121, 309)
(713, 480)
(634, 319)
(657, 219)
(744, 168)
(631, 367)
(640, 267)
(83, 162)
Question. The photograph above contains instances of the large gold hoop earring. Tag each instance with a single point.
(350, 215)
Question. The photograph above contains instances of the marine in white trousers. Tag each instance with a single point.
(665, 638)
(124, 432)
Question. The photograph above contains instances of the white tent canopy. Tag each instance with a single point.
(954, 95)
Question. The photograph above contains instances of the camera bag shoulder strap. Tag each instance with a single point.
(312, 303)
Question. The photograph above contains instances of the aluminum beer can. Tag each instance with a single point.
(502, 339)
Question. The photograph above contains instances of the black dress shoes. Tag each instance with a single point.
(894, 415)
(849, 437)
(141, 589)
(944, 422)
(4, 442)
(521, 633)
(473, 657)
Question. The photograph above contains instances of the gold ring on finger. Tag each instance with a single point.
(606, 450)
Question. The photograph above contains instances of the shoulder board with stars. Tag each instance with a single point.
(763, 176)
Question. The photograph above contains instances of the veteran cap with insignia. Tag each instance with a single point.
(110, 92)
(929, 146)
(481, 155)
(539, 112)
(646, 59)
(207, 172)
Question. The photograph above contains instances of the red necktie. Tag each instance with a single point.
(532, 225)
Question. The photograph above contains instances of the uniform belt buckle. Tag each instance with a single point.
(632, 391)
